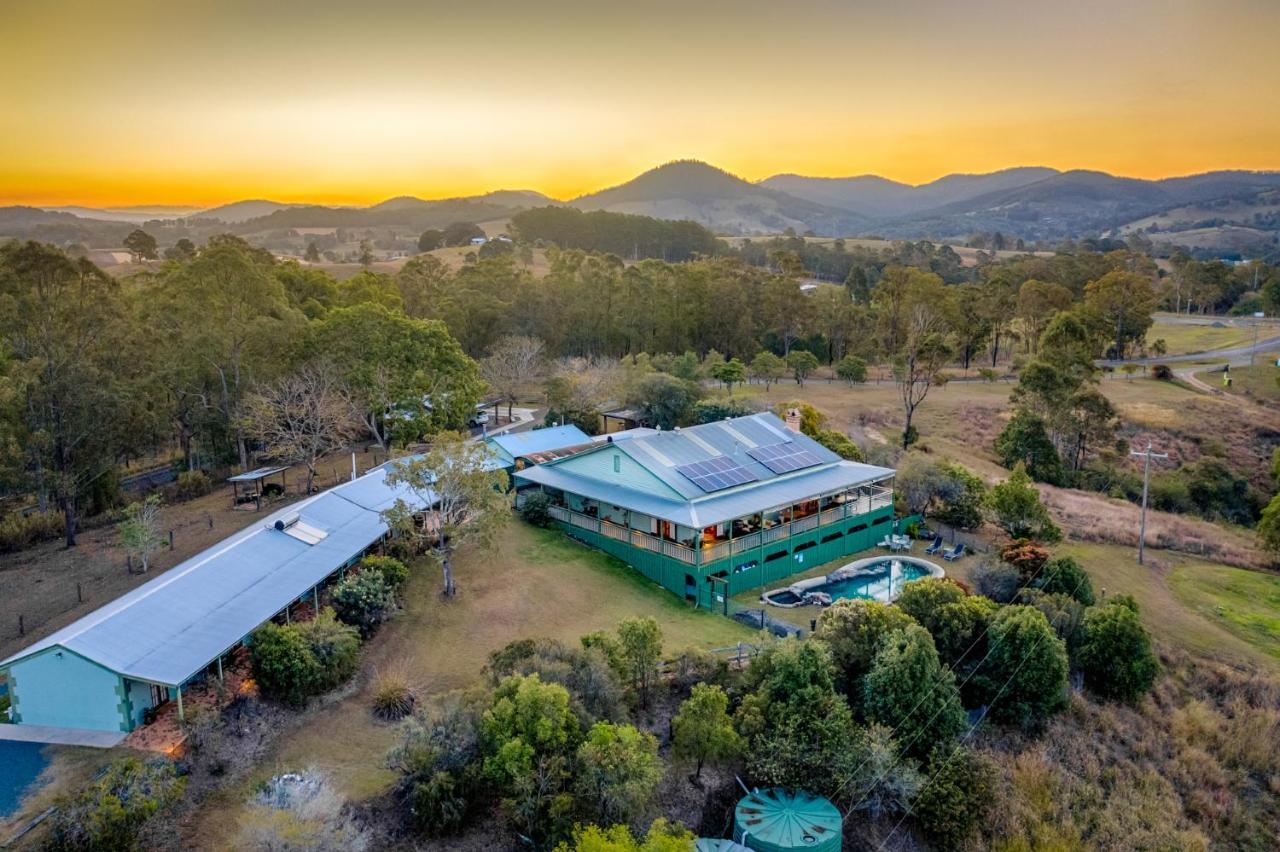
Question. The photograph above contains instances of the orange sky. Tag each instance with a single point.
(206, 102)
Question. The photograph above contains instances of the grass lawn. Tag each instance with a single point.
(534, 583)
(1246, 603)
(1259, 381)
(1178, 595)
(1185, 338)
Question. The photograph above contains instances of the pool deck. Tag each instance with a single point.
(61, 736)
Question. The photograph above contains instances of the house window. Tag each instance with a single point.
(781, 554)
(832, 537)
(617, 463)
(746, 566)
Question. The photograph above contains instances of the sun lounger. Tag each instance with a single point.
(936, 547)
(954, 553)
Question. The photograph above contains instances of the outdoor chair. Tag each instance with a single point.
(954, 553)
(936, 547)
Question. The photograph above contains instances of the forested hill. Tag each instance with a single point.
(634, 237)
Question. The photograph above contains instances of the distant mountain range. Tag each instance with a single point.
(1032, 203)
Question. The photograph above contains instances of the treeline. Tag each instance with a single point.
(631, 237)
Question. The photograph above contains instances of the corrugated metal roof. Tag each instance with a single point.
(171, 627)
(518, 444)
(740, 501)
(662, 452)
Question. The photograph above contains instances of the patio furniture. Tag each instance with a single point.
(954, 553)
(886, 543)
(936, 547)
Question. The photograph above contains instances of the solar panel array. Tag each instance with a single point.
(784, 458)
(716, 473)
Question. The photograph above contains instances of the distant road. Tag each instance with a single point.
(1236, 356)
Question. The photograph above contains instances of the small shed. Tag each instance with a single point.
(620, 419)
(248, 488)
(778, 820)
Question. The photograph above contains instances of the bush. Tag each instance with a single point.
(1115, 654)
(364, 600)
(295, 661)
(1065, 576)
(193, 483)
(109, 813)
(439, 804)
(853, 631)
(393, 570)
(618, 772)
(922, 599)
(1026, 670)
(536, 509)
(1162, 372)
(955, 804)
(840, 444)
(998, 581)
(909, 691)
(393, 698)
(595, 692)
(297, 811)
(18, 531)
(1016, 508)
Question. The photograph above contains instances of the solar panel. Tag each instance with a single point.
(716, 473)
(783, 458)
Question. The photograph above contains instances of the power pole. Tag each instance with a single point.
(1147, 456)
(1253, 351)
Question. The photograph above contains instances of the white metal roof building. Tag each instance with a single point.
(173, 627)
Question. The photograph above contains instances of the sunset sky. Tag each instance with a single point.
(206, 102)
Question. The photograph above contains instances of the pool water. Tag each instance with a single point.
(881, 584)
(20, 764)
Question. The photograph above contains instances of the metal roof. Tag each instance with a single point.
(518, 444)
(171, 627)
(255, 475)
(737, 502)
(625, 434)
(662, 453)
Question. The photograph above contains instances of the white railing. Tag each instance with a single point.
(804, 524)
(611, 530)
(716, 551)
(747, 542)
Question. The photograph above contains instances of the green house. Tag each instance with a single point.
(713, 510)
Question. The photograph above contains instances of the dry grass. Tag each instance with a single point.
(391, 696)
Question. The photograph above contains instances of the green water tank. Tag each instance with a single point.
(706, 844)
(778, 820)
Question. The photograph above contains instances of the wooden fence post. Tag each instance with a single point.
(79, 593)
(22, 627)
(171, 539)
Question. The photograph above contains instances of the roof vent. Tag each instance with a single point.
(287, 521)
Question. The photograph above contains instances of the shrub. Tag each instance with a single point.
(1026, 669)
(109, 813)
(295, 661)
(617, 772)
(393, 570)
(959, 629)
(1064, 613)
(18, 531)
(910, 692)
(193, 483)
(998, 581)
(697, 665)
(299, 811)
(439, 804)
(922, 598)
(1016, 508)
(958, 798)
(536, 509)
(1065, 576)
(335, 646)
(702, 730)
(393, 698)
(1115, 653)
(1028, 557)
(853, 630)
(840, 444)
(595, 692)
(662, 837)
(364, 600)
(1162, 372)
(283, 664)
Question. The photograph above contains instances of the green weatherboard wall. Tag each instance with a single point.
(756, 568)
(777, 820)
(59, 688)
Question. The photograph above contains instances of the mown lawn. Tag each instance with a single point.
(1178, 594)
(1246, 603)
(534, 583)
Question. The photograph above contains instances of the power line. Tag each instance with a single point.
(956, 750)
(1146, 456)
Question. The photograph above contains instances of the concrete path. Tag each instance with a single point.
(61, 736)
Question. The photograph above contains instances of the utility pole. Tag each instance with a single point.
(1147, 456)
(1253, 351)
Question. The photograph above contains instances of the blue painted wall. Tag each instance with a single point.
(61, 689)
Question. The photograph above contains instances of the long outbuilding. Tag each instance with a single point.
(103, 672)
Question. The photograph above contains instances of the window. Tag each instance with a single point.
(617, 463)
(746, 566)
(781, 554)
(858, 528)
(881, 520)
(832, 537)
(805, 546)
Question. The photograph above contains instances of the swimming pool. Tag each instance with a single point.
(879, 578)
(20, 764)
